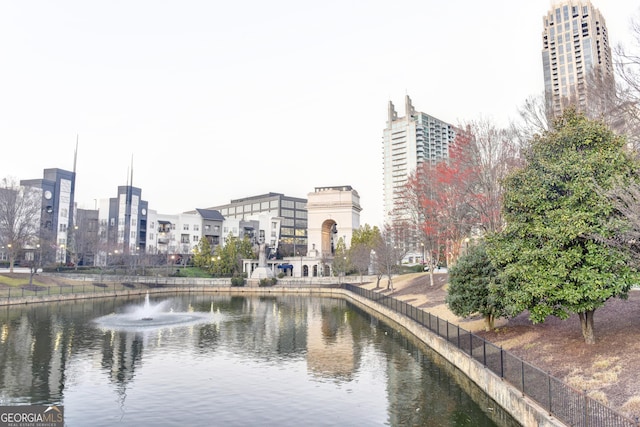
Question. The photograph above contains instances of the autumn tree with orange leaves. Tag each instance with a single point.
(444, 202)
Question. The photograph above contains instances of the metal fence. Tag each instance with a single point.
(567, 404)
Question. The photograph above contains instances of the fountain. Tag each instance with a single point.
(151, 316)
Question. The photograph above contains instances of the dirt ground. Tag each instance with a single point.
(608, 371)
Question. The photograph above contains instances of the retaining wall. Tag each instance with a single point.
(523, 409)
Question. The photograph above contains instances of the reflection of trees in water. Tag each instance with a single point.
(423, 387)
(38, 343)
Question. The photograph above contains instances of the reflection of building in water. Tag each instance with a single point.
(36, 348)
(330, 342)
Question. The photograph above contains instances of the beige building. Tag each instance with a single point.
(575, 54)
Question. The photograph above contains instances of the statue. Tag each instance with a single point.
(262, 271)
(262, 255)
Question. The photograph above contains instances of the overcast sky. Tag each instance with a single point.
(219, 100)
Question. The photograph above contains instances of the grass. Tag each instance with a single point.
(602, 373)
(632, 407)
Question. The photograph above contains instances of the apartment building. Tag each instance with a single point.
(407, 142)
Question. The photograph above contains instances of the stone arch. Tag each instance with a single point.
(305, 270)
(328, 233)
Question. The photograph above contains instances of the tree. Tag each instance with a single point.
(550, 262)
(470, 283)
(203, 255)
(627, 64)
(340, 264)
(437, 201)
(20, 210)
(536, 118)
(388, 254)
(228, 258)
(492, 153)
(363, 241)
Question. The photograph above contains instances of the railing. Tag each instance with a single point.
(567, 404)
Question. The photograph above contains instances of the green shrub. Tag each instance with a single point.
(237, 281)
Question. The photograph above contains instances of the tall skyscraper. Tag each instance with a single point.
(408, 142)
(575, 54)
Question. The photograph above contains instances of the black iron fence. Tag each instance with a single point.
(567, 404)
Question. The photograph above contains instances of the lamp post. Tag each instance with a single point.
(11, 260)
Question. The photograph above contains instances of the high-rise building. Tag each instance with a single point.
(408, 142)
(575, 54)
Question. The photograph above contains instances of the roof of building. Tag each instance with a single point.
(210, 214)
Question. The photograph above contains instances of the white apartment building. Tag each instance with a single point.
(407, 142)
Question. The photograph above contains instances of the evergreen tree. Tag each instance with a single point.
(550, 263)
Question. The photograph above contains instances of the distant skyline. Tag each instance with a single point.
(222, 100)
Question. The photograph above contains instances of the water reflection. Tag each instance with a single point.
(282, 360)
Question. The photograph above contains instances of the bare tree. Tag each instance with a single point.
(627, 64)
(493, 153)
(536, 117)
(626, 201)
(388, 254)
(20, 210)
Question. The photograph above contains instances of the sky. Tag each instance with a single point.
(208, 101)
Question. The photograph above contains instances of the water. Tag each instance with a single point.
(285, 361)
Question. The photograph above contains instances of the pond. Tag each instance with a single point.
(209, 360)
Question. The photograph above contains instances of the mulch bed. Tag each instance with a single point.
(558, 348)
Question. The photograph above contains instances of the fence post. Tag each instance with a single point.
(458, 329)
(549, 379)
(522, 375)
(484, 352)
(438, 326)
(470, 344)
(447, 325)
(501, 363)
(586, 408)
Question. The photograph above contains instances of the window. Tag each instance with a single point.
(207, 227)
(63, 228)
(196, 227)
(64, 212)
(184, 238)
(195, 238)
(185, 227)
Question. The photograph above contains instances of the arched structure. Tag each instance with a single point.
(332, 213)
